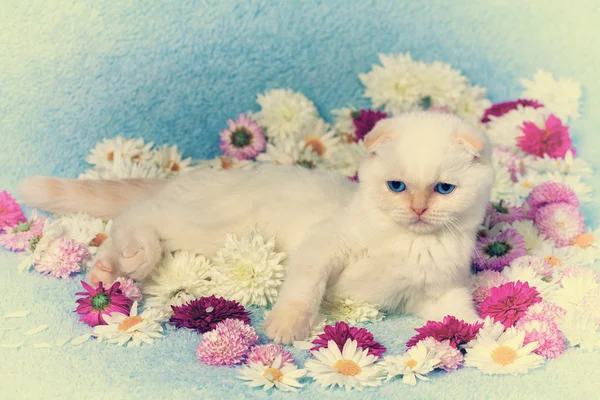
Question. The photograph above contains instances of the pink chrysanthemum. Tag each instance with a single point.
(543, 311)
(267, 353)
(548, 193)
(515, 164)
(18, 237)
(539, 265)
(450, 357)
(553, 139)
(551, 342)
(497, 252)
(483, 281)
(100, 301)
(205, 313)
(243, 139)
(240, 328)
(561, 222)
(10, 212)
(499, 109)
(509, 302)
(364, 121)
(62, 260)
(455, 331)
(342, 332)
(227, 344)
(130, 288)
(502, 212)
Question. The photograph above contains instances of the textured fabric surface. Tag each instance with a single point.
(73, 72)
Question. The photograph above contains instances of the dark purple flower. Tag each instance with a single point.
(365, 120)
(100, 301)
(206, 312)
(342, 332)
(456, 331)
(499, 109)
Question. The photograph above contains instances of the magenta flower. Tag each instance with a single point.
(130, 288)
(227, 344)
(502, 212)
(561, 222)
(483, 281)
(551, 341)
(243, 139)
(205, 313)
(365, 120)
(499, 109)
(10, 212)
(548, 193)
(342, 332)
(553, 139)
(497, 252)
(18, 237)
(515, 165)
(63, 259)
(101, 301)
(455, 331)
(509, 302)
(266, 354)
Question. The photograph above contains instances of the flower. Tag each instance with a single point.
(347, 158)
(182, 276)
(341, 332)
(10, 212)
(504, 187)
(63, 258)
(509, 302)
(227, 344)
(575, 283)
(567, 165)
(130, 288)
(285, 113)
(17, 238)
(540, 266)
(550, 340)
(122, 167)
(248, 269)
(543, 312)
(531, 234)
(222, 163)
(205, 313)
(559, 96)
(558, 257)
(483, 281)
(499, 213)
(495, 253)
(105, 152)
(504, 130)
(283, 377)
(504, 354)
(524, 273)
(351, 367)
(365, 120)
(588, 244)
(85, 229)
(553, 139)
(472, 103)
(346, 309)
(319, 139)
(98, 302)
(417, 362)
(449, 357)
(267, 354)
(580, 331)
(442, 85)
(582, 190)
(456, 331)
(132, 328)
(170, 160)
(242, 139)
(590, 304)
(286, 152)
(502, 156)
(561, 222)
(499, 109)
(344, 123)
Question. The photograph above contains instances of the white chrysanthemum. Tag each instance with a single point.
(527, 274)
(85, 229)
(441, 83)
(504, 187)
(347, 158)
(588, 246)
(395, 85)
(283, 378)
(352, 368)
(502, 355)
(472, 104)
(417, 362)
(221, 163)
(580, 330)
(338, 308)
(181, 277)
(248, 269)
(171, 161)
(561, 96)
(288, 152)
(105, 152)
(505, 130)
(285, 113)
(568, 165)
(573, 289)
(533, 239)
(124, 168)
(132, 329)
(558, 257)
(320, 138)
(343, 121)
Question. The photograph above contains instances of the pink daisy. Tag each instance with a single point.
(539, 265)
(543, 311)
(130, 288)
(18, 238)
(101, 301)
(509, 302)
(548, 193)
(227, 344)
(10, 212)
(561, 222)
(341, 332)
(450, 357)
(551, 342)
(553, 139)
(502, 212)
(499, 109)
(514, 164)
(243, 139)
(455, 331)
(497, 252)
(483, 281)
(267, 353)
(64, 258)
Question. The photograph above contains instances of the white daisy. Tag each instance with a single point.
(352, 368)
(285, 113)
(248, 269)
(527, 274)
(343, 121)
(504, 187)
(441, 83)
(283, 378)
(569, 165)
(580, 330)
(132, 329)
(417, 362)
(338, 308)
(124, 168)
(502, 355)
(505, 130)
(171, 161)
(588, 246)
(533, 239)
(320, 139)
(395, 85)
(561, 96)
(221, 163)
(288, 152)
(558, 257)
(347, 157)
(472, 104)
(181, 277)
(105, 152)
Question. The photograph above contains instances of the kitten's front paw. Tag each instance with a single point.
(289, 321)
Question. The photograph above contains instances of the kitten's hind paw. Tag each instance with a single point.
(288, 322)
(139, 252)
(102, 271)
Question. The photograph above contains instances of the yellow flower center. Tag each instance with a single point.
(317, 145)
(347, 367)
(411, 363)
(110, 156)
(174, 166)
(129, 322)
(554, 261)
(243, 272)
(226, 163)
(526, 184)
(584, 240)
(504, 355)
(273, 374)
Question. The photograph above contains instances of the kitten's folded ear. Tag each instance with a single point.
(473, 143)
(382, 130)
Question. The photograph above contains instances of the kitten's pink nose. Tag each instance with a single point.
(419, 211)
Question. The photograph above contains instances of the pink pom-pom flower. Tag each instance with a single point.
(548, 193)
(483, 281)
(266, 354)
(561, 222)
(227, 344)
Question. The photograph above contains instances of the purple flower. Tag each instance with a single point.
(499, 109)
(342, 332)
(503, 212)
(365, 120)
(205, 313)
(242, 139)
(457, 332)
(497, 252)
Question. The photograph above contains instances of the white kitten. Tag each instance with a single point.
(402, 238)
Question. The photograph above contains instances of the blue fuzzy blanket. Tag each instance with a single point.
(73, 72)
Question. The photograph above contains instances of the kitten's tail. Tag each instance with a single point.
(99, 198)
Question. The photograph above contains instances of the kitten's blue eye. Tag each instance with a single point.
(396, 186)
(444, 188)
